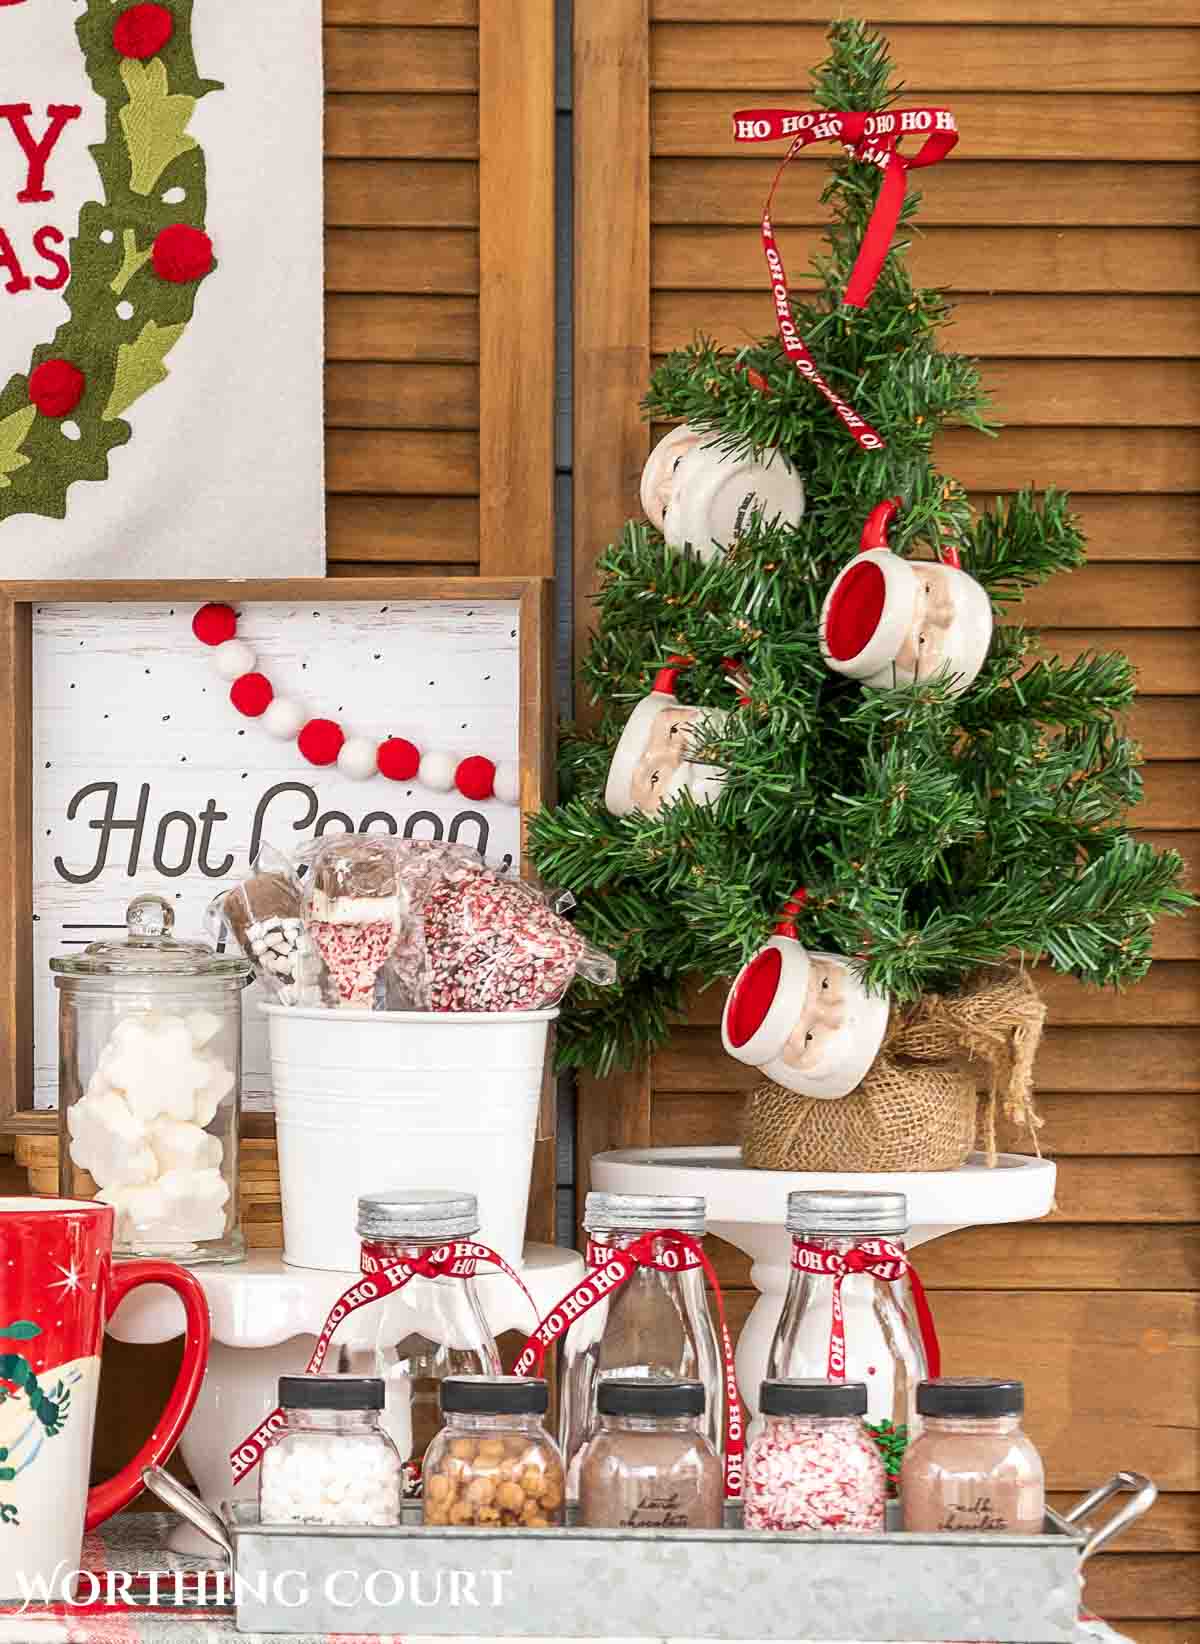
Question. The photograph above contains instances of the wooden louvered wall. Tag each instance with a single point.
(1066, 226)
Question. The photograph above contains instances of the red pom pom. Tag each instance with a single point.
(182, 254)
(320, 741)
(475, 778)
(252, 694)
(143, 31)
(213, 624)
(56, 387)
(399, 760)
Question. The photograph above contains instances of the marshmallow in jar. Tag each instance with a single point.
(700, 497)
(654, 760)
(803, 1019)
(332, 1463)
(891, 622)
(150, 1045)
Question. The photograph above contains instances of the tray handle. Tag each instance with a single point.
(1144, 1498)
(181, 1500)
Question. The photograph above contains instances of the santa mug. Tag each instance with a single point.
(889, 621)
(700, 496)
(803, 1019)
(653, 762)
(58, 1289)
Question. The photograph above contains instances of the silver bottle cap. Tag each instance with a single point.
(833, 1211)
(418, 1213)
(643, 1213)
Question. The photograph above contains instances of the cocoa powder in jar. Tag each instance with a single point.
(650, 1467)
(972, 1468)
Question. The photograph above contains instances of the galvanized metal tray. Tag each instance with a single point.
(725, 1584)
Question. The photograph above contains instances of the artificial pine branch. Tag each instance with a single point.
(935, 834)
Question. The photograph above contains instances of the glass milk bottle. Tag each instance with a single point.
(429, 1329)
(882, 1341)
(150, 1062)
(656, 1326)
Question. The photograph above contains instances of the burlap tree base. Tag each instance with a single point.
(920, 1107)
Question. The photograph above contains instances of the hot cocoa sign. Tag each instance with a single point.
(146, 777)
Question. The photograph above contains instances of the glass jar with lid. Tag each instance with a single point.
(493, 1463)
(656, 1325)
(812, 1465)
(878, 1341)
(650, 1465)
(150, 1061)
(332, 1462)
(430, 1328)
(973, 1467)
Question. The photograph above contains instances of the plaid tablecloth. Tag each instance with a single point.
(135, 1542)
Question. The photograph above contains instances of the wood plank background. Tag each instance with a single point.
(1066, 228)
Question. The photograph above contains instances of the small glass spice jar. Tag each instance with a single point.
(150, 1057)
(494, 1464)
(656, 1325)
(972, 1468)
(332, 1463)
(812, 1465)
(651, 1465)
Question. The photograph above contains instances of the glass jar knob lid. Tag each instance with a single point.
(148, 947)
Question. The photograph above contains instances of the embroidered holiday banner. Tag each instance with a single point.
(160, 289)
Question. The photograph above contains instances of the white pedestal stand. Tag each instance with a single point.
(747, 1207)
(265, 1319)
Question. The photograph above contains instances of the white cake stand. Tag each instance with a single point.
(747, 1207)
(265, 1319)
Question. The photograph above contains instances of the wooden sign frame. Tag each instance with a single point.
(536, 731)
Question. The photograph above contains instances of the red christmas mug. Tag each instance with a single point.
(59, 1287)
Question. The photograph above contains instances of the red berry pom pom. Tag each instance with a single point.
(143, 31)
(252, 694)
(475, 778)
(321, 741)
(56, 387)
(213, 624)
(182, 254)
(399, 760)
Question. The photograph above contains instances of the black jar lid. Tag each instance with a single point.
(970, 1396)
(642, 1396)
(810, 1397)
(331, 1393)
(495, 1396)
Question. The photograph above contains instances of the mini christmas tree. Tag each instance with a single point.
(937, 826)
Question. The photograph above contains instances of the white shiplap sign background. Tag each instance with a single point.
(147, 778)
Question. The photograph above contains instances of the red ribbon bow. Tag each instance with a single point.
(608, 1269)
(384, 1274)
(882, 1260)
(872, 138)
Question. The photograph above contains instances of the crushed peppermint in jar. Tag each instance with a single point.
(814, 1466)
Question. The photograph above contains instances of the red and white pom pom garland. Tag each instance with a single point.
(323, 742)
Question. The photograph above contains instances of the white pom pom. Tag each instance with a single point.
(508, 783)
(233, 659)
(357, 758)
(437, 771)
(284, 719)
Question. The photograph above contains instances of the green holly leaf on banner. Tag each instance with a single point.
(140, 366)
(154, 122)
(20, 1329)
(12, 437)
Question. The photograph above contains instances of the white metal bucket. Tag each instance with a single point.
(368, 1101)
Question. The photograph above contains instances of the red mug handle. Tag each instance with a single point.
(107, 1499)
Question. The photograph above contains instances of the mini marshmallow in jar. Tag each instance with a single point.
(654, 760)
(893, 622)
(150, 1045)
(803, 1019)
(701, 497)
(331, 1463)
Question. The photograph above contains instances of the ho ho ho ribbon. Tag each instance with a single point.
(608, 1269)
(871, 138)
(882, 1260)
(384, 1275)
